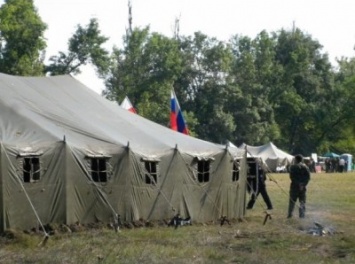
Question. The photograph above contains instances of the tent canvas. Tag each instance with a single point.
(331, 155)
(349, 161)
(68, 155)
(272, 156)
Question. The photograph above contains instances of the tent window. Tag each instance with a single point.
(252, 167)
(151, 175)
(31, 169)
(99, 169)
(235, 172)
(203, 170)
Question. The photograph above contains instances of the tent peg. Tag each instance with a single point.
(64, 140)
(128, 144)
(44, 241)
(176, 146)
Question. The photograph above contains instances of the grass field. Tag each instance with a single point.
(331, 202)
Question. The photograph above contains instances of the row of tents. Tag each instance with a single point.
(348, 158)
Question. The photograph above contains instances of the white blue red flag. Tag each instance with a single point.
(126, 104)
(177, 121)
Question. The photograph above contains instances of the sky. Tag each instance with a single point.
(331, 22)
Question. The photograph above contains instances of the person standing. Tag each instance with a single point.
(259, 187)
(300, 176)
(341, 164)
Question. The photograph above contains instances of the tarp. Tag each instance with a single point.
(349, 161)
(270, 154)
(331, 155)
(68, 155)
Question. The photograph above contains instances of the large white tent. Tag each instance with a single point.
(69, 155)
(272, 156)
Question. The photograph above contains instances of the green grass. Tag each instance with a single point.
(331, 202)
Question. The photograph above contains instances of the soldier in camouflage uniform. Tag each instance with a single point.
(300, 176)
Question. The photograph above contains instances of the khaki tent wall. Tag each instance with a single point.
(177, 190)
(89, 201)
(180, 190)
(206, 197)
(2, 204)
(23, 200)
(66, 193)
(233, 194)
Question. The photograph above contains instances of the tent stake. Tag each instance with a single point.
(44, 241)
(267, 216)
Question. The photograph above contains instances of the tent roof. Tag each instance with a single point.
(346, 154)
(331, 155)
(35, 109)
(267, 151)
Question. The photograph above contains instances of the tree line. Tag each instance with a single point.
(279, 86)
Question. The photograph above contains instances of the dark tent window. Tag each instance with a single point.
(31, 169)
(151, 175)
(203, 170)
(99, 169)
(252, 167)
(252, 174)
(235, 173)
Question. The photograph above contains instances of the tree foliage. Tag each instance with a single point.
(21, 38)
(253, 71)
(278, 86)
(145, 70)
(306, 85)
(202, 85)
(84, 47)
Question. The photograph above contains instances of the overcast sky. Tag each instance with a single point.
(331, 22)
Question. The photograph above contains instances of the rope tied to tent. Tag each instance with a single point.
(206, 191)
(267, 212)
(155, 184)
(268, 174)
(98, 188)
(46, 235)
(159, 189)
(266, 171)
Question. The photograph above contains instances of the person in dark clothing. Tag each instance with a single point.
(257, 187)
(300, 176)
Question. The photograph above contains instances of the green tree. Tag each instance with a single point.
(85, 47)
(145, 70)
(21, 38)
(304, 101)
(344, 134)
(202, 85)
(254, 72)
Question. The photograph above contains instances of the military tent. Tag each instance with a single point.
(68, 155)
(270, 154)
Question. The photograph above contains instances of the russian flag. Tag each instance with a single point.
(177, 121)
(126, 104)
